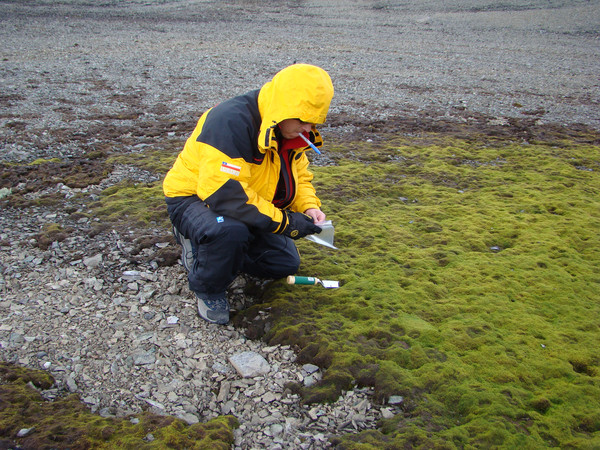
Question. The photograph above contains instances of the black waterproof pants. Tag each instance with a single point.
(223, 247)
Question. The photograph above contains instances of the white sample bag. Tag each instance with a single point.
(325, 237)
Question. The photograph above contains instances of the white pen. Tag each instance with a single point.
(310, 143)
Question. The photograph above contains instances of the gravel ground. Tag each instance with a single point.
(124, 75)
(77, 65)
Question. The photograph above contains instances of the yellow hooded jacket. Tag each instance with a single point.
(231, 160)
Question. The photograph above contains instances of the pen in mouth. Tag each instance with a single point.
(310, 144)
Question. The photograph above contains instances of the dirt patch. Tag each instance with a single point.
(78, 173)
(470, 127)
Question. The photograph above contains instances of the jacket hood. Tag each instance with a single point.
(300, 91)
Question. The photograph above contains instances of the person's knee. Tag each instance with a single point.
(218, 232)
(234, 232)
(290, 269)
(272, 256)
(292, 266)
(281, 267)
(219, 256)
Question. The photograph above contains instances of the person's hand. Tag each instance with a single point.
(298, 225)
(317, 215)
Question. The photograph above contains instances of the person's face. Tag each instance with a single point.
(291, 128)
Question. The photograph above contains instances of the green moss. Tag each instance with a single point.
(142, 204)
(157, 161)
(41, 161)
(10, 373)
(469, 286)
(67, 423)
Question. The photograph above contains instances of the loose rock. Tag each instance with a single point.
(249, 364)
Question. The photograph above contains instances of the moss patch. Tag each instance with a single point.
(469, 286)
(41, 174)
(157, 161)
(67, 423)
(51, 232)
(141, 204)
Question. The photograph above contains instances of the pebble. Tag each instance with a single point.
(310, 368)
(25, 432)
(92, 261)
(249, 364)
(386, 413)
(71, 385)
(190, 419)
(144, 358)
(395, 400)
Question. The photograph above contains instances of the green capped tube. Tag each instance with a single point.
(302, 280)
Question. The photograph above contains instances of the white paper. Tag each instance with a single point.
(325, 237)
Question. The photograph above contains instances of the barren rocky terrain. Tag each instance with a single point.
(106, 311)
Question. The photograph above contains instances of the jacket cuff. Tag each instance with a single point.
(282, 224)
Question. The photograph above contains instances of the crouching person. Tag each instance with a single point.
(240, 191)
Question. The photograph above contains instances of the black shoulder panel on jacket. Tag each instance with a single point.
(233, 126)
(231, 200)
